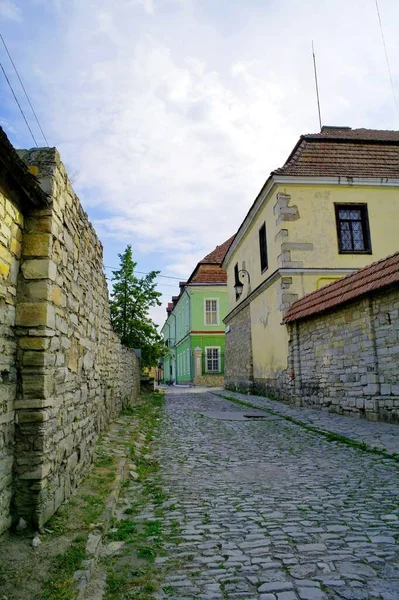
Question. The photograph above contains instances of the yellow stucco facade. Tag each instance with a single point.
(302, 254)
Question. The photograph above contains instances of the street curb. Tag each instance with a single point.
(82, 577)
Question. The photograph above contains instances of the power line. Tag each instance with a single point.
(159, 284)
(142, 273)
(16, 100)
(23, 87)
(387, 59)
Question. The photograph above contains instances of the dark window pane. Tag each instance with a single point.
(346, 238)
(263, 247)
(357, 233)
(353, 230)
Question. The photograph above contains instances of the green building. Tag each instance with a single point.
(194, 331)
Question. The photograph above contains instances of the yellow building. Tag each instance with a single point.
(331, 209)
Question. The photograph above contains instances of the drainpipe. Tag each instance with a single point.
(189, 337)
(175, 359)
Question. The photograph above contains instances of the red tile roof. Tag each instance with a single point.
(217, 255)
(209, 269)
(208, 274)
(380, 274)
(344, 152)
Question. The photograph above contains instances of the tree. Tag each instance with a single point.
(131, 299)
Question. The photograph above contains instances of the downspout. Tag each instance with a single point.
(175, 358)
(189, 337)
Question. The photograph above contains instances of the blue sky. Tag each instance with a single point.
(173, 112)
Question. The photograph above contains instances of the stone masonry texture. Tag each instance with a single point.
(63, 372)
(268, 510)
(346, 360)
(238, 371)
(11, 227)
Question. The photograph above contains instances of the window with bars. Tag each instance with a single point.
(353, 228)
(211, 312)
(213, 360)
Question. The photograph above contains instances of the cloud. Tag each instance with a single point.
(9, 11)
(148, 5)
(175, 121)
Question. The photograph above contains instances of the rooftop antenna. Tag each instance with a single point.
(317, 87)
(387, 59)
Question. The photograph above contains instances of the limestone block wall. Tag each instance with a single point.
(238, 369)
(347, 360)
(75, 375)
(11, 226)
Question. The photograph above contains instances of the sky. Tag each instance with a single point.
(170, 114)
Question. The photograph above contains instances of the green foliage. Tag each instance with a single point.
(131, 300)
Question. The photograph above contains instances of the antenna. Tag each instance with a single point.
(387, 59)
(317, 87)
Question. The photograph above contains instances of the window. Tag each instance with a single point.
(263, 248)
(236, 279)
(212, 359)
(211, 312)
(353, 228)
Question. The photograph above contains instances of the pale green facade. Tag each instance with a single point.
(188, 327)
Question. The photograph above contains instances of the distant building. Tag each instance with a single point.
(194, 330)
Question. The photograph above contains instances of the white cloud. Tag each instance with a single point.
(148, 5)
(176, 121)
(9, 11)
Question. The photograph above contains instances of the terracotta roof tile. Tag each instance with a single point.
(340, 152)
(217, 255)
(381, 274)
(208, 274)
(209, 270)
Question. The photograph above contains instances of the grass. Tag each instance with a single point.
(329, 435)
(132, 574)
(60, 585)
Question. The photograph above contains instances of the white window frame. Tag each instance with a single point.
(217, 312)
(218, 348)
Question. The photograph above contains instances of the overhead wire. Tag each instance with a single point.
(19, 106)
(23, 87)
(159, 284)
(387, 59)
(142, 273)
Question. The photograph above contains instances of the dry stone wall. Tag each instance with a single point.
(11, 227)
(347, 360)
(64, 373)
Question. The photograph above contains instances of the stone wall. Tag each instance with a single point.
(209, 380)
(238, 369)
(73, 374)
(347, 360)
(11, 226)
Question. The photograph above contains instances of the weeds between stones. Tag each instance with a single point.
(132, 574)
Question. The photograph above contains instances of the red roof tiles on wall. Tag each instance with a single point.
(381, 274)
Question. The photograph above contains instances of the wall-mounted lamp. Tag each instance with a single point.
(239, 286)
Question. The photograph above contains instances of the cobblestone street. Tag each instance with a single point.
(270, 511)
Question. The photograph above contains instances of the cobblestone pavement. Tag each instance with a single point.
(271, 511)
(384, 436)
